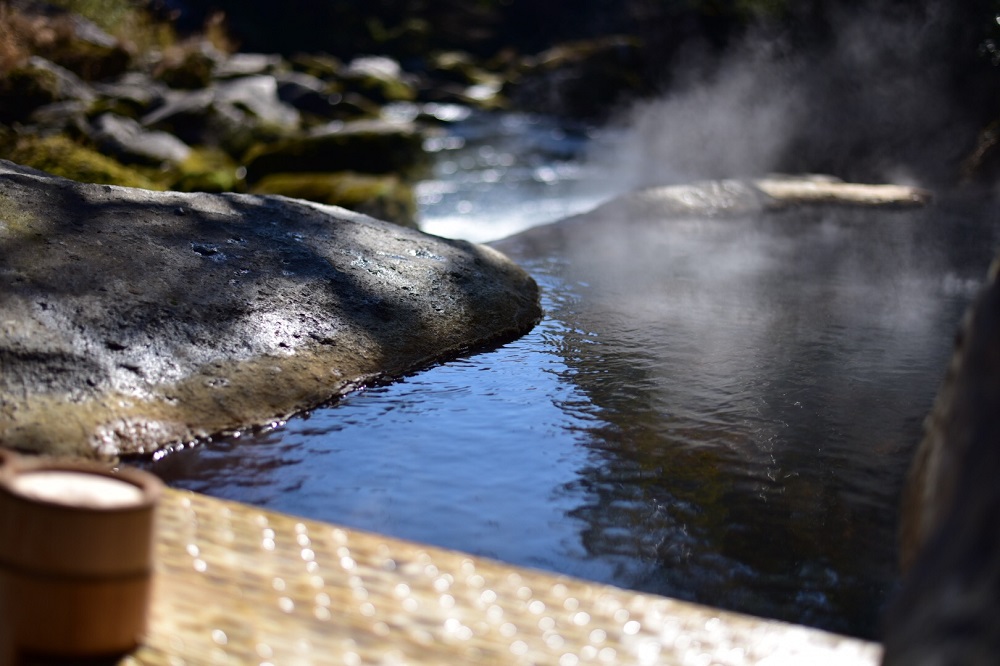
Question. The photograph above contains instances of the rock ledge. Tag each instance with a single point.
(131, 320)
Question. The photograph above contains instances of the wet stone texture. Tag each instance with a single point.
(131, 320)
(948, 610)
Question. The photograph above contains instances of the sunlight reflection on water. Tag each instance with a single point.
(718, 410)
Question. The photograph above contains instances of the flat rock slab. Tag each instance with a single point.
(131, 320)
(738, 197)
(636, 214)
(797, 191)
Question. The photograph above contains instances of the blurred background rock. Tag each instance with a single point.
(174, 94)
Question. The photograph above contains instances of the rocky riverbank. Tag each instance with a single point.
(192, 115)
(131, 320)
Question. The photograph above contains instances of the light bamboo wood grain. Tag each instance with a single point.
(239, 585)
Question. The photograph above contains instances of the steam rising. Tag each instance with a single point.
(732, 124)
(873, 103)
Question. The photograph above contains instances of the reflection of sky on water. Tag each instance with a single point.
(475, 454)
(760, 387)
(720, 410)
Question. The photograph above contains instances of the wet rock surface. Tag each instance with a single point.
(131, 320)
(733, 197)
(948, 611)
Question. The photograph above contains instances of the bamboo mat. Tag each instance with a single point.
(239, 585)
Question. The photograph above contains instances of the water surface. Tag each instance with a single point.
(717, 409)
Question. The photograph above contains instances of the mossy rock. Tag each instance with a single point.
(188, 69)
(151, 319)
(379, 79)
(132, 96)
(352, 106)
(26, 88)
(206, 170)
(91, 61)
(61, 156)
(365, 146)
(379, 91)
(18, 224)
(321, 66)
(383, 197)
(457, 67)
(68, 39)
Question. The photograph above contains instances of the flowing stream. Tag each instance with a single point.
(722, 411)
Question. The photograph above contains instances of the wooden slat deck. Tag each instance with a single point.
(240, 585)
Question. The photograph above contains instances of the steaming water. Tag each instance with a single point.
(719, 410)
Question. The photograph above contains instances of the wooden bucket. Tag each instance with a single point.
(76, 557)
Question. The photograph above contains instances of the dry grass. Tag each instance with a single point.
(217, 33)
(15, 33)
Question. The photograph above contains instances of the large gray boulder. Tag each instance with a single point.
(131, 320)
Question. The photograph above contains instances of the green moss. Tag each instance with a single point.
(206, 170)
(61, 156)
(322, 66)
(127, 20)
(378, 88)
(91, 62)
(105, 13)
(384, 197)
(367, 147)
(16, 222)
(459, 67)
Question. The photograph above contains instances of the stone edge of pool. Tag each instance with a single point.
(132, 320)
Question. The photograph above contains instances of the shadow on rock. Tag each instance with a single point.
(130, 319)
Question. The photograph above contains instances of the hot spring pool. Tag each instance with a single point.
(719, 410)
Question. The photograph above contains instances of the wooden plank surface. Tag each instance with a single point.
(240, 585)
